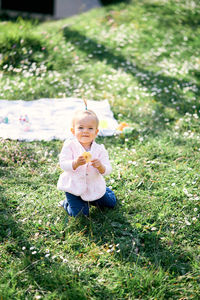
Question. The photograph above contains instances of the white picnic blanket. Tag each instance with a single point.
(47, 119)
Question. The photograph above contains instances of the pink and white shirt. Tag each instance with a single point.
(85, 181)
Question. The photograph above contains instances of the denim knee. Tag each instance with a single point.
(78, 211)
(75, 206)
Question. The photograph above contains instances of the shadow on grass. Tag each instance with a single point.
(109, 2)
(137, 246)
(5, 17)
(152, 81)
(169, 16)
(27, 273)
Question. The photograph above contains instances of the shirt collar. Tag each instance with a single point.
(82, 148)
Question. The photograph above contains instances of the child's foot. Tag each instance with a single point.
(61, 204)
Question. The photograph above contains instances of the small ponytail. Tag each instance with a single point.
(85, 101)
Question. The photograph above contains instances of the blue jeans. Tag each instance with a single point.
(75, 206)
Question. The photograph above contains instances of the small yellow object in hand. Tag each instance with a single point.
(87, 156)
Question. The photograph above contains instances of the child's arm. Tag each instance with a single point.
(78, 162)
(66, 157)
(102, 164)
(98, 165)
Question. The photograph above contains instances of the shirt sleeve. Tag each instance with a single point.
(104, 158)
(66, 157)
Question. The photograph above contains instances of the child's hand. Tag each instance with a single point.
(78, 162)
(98, 165)
(87, 156)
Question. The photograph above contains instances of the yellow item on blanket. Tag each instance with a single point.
(103, 124)
(87, 156)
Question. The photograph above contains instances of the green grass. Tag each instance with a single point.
(144, 58)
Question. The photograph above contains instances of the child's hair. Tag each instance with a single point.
(87, 112)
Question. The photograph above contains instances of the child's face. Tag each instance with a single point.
(85, 130)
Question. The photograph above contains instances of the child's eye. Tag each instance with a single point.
(80, 127)
(91, 128)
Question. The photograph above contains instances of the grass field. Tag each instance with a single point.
(144, 58)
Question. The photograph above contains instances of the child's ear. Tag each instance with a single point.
(72, 130)
(97, 130)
